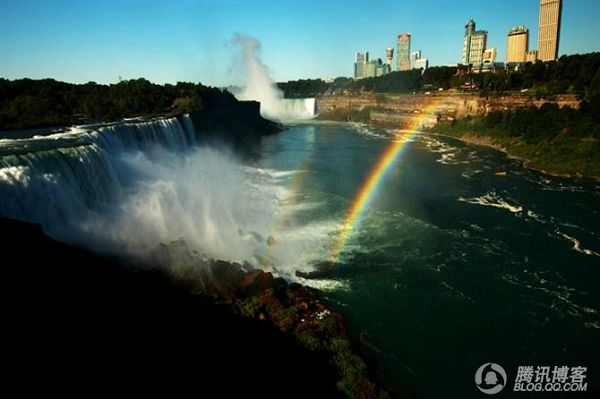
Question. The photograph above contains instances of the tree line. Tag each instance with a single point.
(28, 103)
(532, 125)
(578, 74)
(569, 74)
(558, 140)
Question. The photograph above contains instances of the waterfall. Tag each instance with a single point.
(58, 179)
(258, 86)
(298, 108)
(129, 188)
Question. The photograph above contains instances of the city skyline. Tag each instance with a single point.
(167, 42)
(549, 29)
(517, 44)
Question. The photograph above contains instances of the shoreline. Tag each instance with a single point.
(174, 308)
(489, 142)
(486, 141)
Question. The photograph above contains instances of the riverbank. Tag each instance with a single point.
(132, 327)
(560, 154)
(559, 137)
(442, 105)
(569, 157)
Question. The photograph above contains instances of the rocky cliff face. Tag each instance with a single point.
(404, 110)
(296, 310)
(236, 123)
(77, 322)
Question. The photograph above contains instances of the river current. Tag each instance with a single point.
(460, 258)
(453, 265)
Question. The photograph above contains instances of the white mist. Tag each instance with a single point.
(259, 86)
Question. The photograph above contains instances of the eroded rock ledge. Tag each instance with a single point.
(294, 309)
(77, 322)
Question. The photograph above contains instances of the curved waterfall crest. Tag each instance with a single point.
(58, 178)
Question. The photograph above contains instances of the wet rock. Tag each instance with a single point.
(255, 282)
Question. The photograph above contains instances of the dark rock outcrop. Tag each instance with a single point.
(296, 310)
(75, 323)
(235, 123)
(78, 322)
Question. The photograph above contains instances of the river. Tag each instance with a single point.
(451, 265)
(443, 256)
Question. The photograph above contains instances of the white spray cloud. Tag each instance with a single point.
(259, 86)
(206, 198)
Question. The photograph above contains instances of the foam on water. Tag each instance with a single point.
(491, 199)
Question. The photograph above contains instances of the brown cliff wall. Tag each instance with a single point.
(403, 109)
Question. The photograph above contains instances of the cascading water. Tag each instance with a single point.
(258, 86)
(298, 108)
(56, 180)
(127, 188)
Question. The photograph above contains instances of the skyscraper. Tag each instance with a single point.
(549, 34)
(360, 65)
(416, 62)
(375, 68)
(531, 56)
(469, 29)
(474, 44)
(517, 44)
(403, 59)
(489, 55)
(477, 47)
(389, 56)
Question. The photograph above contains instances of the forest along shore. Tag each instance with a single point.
(557, 137)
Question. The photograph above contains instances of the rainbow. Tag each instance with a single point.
(298, 181)
(370, 186)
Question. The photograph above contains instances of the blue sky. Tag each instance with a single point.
(184, 40)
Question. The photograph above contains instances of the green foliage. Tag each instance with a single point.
(309, 341)
(27, 103)
(186, 105)
(395, 82)
(556, 140)
(303, 88)
(441, 77)
(249, 307)
(353, 372)
(576, 74)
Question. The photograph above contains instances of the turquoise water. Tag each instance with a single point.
(452, 266)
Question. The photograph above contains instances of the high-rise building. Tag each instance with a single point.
(477, 47)
(549, 25)
(365, 68)
(360, 65)
(421, 63)
(389, 57)
(375, 68)
(517, 44)
(403, 56)
(489, 55)
(474, 44)
(469, 29)
(416, 62)
(531, 56)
